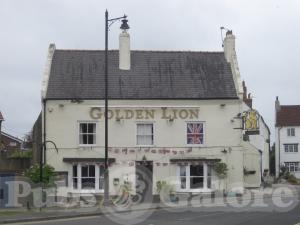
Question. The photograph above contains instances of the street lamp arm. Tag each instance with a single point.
(45, 142)
(112, 21)
(118, 18)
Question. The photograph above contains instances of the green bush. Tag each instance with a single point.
(221, 169)
(21, 154)
(33, 173)
(292, 179)
(164, 186)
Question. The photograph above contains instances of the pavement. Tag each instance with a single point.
(198, 211)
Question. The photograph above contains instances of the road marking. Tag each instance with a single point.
(55, 220)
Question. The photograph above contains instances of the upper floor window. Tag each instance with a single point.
(195, 133)
(291, 132)
(87, 133)
(291, 147)
(145, 134)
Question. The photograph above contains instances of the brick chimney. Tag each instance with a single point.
(229, 46)
(277, 104)
(124, 51)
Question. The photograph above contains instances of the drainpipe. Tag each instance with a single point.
(278, 151)
(44, 133)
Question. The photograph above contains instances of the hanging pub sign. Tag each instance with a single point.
(251, 122)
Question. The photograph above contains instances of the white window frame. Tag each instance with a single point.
(291, 132)
(186, 139)
(291, 148)
(295, 165)
(136, 137)
(79, 133)
(188, 185)
(79, 179)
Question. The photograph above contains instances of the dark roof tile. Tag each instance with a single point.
(288, 115)
(153, 75)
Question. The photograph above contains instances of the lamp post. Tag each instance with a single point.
(43, 162)
(43, 158)
(124, 26)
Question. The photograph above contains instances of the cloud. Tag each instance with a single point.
(267, 42)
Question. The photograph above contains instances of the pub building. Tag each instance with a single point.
(177, 113)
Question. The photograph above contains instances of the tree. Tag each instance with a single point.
(33, 173)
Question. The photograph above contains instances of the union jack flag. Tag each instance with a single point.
(195, 133)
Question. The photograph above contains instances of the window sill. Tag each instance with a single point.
(204, 190)
(195, 145)
(86, 146)
(145, 146)
(91, 191)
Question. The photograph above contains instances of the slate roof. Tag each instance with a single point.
(79, 74)
(11, 137)
(288, 115)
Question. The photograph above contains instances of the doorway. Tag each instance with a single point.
(144, 180)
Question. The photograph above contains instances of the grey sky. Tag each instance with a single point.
(267, 43)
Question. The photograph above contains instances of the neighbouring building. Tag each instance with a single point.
(8, 142)
(11, 164)
(287, 137)
(177, 113)
(1, 120)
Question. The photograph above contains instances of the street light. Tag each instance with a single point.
(43, 158)
(43, 162)
(124, 26)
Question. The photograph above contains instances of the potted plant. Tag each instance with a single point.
(165, 189)
(221, 169)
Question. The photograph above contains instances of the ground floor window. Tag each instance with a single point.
(290, 147)
(292, 166)
(194, 177)
(88, 177)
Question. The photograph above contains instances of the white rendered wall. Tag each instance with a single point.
(62, 127)
(285, 139)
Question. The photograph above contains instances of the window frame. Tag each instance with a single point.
(88, 176)
(291, 132)
(287, 149)
(94, 134)
(296, 166)
(203, 134)
(206, 178)
(79, 177)
(137, 135)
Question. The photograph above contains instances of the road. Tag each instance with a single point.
(190, 217)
